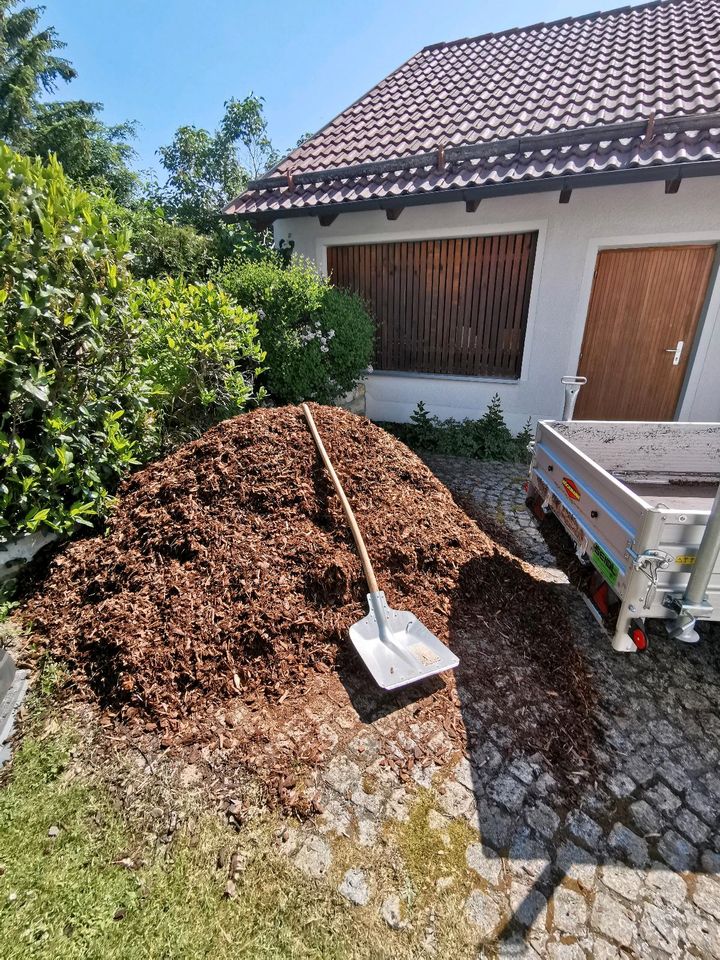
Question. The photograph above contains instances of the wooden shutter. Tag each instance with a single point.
(454, 306)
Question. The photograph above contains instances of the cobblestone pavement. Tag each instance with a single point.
(631, 868)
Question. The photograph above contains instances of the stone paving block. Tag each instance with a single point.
(703, 934)
(666, 734)
(677, 852)
(584, 829)
(522, 771)
(570, 912)
(484, 912)
(707, 895)
(372, 802)
(628, 845)
(674, 776)
(660, 928)
(335, 818)
(577, 864)
(703, 805)
(528, 855)
(692, 827)
(508, 792)
(663, 800)
(711, 783)
(342, 774)
(485, 862)
(423, 775)
(622, 879)
(355, 887)
(542, 819)
(314, 857)
(495, 825)
(621, 786)
(565, 951)
(528, 906)
(391, 912)
(666, 885)
(710, 862)
(454, 799)
(486, 759)
(367, 832)
(398, 805)
(600, 949)
(612, 919)
(645, 819)
(639, 769)
(464, 774)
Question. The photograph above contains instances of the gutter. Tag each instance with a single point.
(659, 172)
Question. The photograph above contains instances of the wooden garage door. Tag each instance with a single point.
(455, 306)
(644, 309)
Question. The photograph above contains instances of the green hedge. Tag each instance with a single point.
(72, 408)
(318, 339)
(98, 371)
(199, 351)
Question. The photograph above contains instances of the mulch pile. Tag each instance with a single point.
(226, 575)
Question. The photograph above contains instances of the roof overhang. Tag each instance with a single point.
(670, 173)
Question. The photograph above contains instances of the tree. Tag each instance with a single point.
(205, 170)
(91, 152)
(29, 66)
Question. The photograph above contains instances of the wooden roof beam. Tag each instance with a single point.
(672, 186)
(565, 194)
(327, 218)
(392, 213)
(472, 205)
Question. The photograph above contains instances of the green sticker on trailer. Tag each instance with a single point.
(604, 564)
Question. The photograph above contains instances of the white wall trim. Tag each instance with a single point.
(410, 234)
(708, 321)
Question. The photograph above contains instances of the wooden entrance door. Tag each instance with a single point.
(644, 311)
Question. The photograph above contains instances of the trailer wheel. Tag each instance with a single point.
(639, 637)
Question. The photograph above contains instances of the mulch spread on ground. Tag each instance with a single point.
(224, 585)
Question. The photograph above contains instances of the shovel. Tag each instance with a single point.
(395, 647)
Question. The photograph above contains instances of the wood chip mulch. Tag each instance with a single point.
(226, 580)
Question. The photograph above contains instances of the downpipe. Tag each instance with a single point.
(693, 603)
(572, 389)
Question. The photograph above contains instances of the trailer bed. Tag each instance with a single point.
(635, 497)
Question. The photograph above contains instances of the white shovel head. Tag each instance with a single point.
(396, 648)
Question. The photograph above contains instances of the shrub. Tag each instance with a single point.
(200, 352)
(485, 439)
(72, 408)
(162, 248)
(318, 339)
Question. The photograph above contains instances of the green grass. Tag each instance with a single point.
(69, 898)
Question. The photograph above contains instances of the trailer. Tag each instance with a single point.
(641, 502)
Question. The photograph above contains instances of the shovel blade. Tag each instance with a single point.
(396, 648)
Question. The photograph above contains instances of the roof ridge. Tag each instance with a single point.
(595, 15)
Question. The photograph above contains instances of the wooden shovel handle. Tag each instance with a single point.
(347, 509)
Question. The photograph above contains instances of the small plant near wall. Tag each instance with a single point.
(487, 438)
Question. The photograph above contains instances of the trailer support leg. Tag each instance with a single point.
(622, 640)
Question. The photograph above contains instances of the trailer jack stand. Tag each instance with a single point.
(682, 630)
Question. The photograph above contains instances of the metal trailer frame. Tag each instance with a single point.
(597, 477)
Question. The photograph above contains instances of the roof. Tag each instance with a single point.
(515, 110)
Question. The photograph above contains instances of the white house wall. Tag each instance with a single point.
(570, 236)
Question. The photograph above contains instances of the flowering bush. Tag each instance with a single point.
(318, 339)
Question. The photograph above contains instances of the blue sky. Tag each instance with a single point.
(169, 62)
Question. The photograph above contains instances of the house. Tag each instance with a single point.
(528, 204)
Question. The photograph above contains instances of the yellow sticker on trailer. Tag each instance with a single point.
(685, 560)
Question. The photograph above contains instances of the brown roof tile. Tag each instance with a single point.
(661, 58)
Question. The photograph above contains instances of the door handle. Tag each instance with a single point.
(677, 350)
